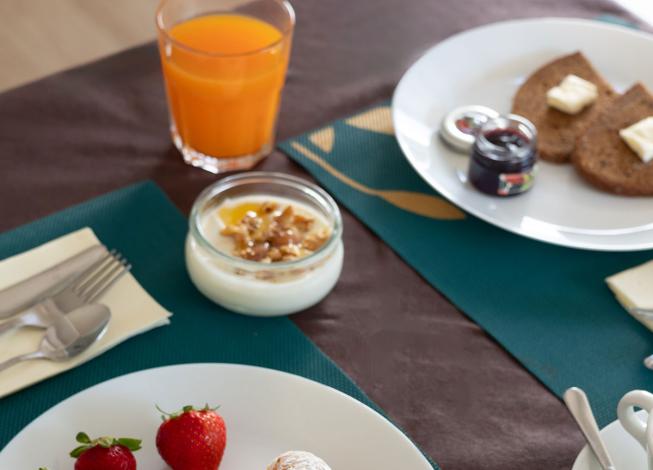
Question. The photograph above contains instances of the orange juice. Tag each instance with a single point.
(224, 74)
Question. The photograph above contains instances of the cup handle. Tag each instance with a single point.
(627, 417)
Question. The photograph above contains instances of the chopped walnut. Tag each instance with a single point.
(286, 218)
(283, 237)
(315, 240)
(275, 254)
(271, 234)
(303, 223)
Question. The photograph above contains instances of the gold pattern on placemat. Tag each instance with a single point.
(417, 203)
(376, 120)
(323, 139)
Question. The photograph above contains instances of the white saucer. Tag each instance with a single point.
(485, 66)
(625, 451)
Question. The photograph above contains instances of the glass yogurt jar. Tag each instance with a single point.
(264, 244)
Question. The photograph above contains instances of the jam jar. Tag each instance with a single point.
(503, 156)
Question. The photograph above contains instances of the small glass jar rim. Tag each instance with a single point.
(285, 4)
(510, 118)
(229, 182)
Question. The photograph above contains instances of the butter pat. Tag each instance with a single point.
(572, 95)
(633, 289)
(639, 138)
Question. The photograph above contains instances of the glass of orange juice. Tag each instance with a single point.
(224, 64)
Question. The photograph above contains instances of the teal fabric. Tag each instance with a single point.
(547, 305)
(143, 225)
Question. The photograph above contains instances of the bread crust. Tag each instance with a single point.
(604, 159)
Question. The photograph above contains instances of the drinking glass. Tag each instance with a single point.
(224, 65)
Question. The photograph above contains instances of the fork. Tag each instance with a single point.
(86, 289)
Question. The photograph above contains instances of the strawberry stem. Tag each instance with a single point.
(186, 409)
(131, 444)
(104, 441)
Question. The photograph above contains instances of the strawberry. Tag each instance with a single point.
(192, 439)
(105, 453)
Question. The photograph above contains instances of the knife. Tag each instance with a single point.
(35, 289)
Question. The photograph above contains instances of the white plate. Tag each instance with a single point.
(625, 451)
(266, 412)
(485, 66)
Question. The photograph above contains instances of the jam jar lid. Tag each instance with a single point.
(460, 126)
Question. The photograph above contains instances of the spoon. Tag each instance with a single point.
(579, 407)
(69, 335)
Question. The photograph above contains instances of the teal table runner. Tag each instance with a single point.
(547, 305)
(140, 222)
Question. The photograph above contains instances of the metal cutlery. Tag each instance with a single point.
(69, 335)
(580, 409)
(39, 287)
(648, 362)
(644, 314)
(40, 318)
(88, 287)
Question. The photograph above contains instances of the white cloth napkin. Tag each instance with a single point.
(634, 288)
(133, 311)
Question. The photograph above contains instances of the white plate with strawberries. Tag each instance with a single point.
(266, 413)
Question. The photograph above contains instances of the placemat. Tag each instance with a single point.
(547, 305)
(149, 231)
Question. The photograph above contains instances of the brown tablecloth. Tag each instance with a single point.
(467, 403)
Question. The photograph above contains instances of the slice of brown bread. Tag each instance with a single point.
(604, 159)
(557, 131)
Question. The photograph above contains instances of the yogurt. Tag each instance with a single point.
(263, 288)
